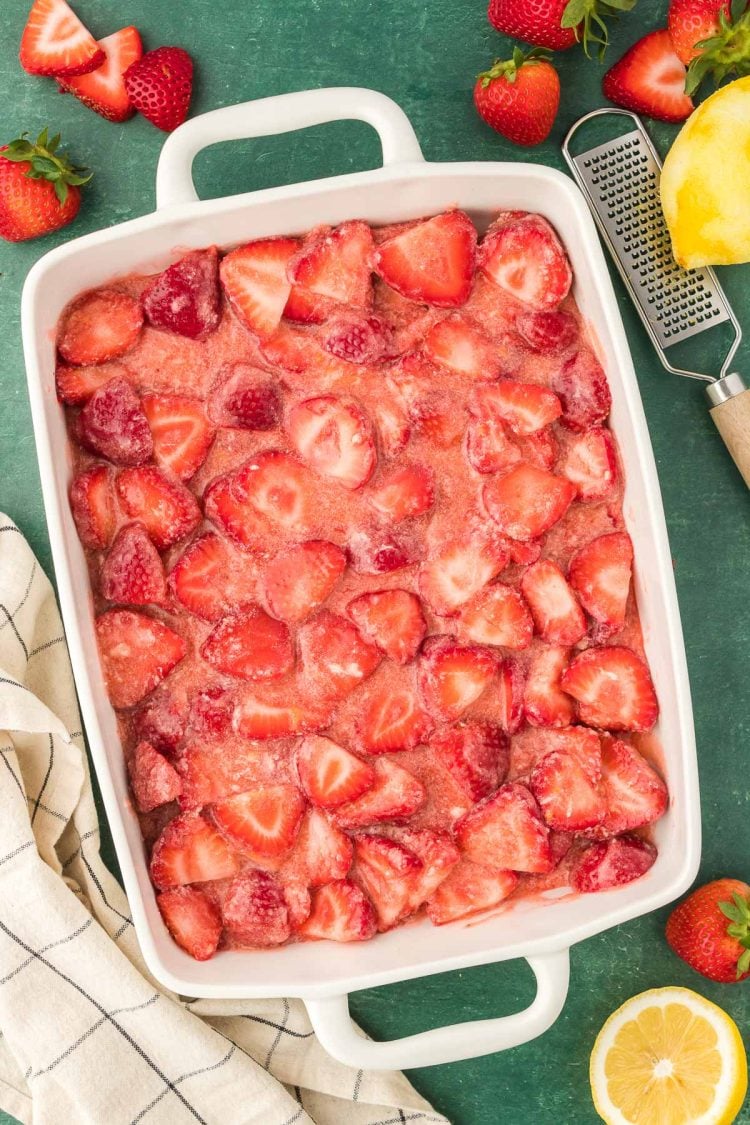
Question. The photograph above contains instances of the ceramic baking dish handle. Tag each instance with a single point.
(282, 114)
(334, 1028)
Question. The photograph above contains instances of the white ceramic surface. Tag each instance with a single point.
(406, 187)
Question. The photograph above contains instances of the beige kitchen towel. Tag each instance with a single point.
(86, 1034)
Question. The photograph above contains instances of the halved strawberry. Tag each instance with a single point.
(526, 501)
(190, 850)
(153, 779)
(545, 704)
(583, 390)
(245, 398)
(650, 78)
(547, 332)
(75, 385)
(304, 307)
(98, 326)
(359, 339)
(335, 437)
(336, 264)
(458, 344)
(432, 261)
(334, 655)
(132, 573)
(323, 852)
(612, 863)
(185, 298)
(92, 502)
(510, 696)
(580, 743)
(508, 829)
(569, 798)
(524, 407)
(540, 448)
(341, 911)
(262, 823)
(558, 617)
(456, 572)
(476, 754)
(391, 619)
(524, 554)
(590, 463)
(212, 711)
(522, 254)
(377, 552)
(113, 424)
(439, 855)
(250, 645)
(103, 89)
(488, 447)
(181, 433)
(395, 795)
(255, 281)
(137, 652)
(451, 677)
(634, 794)
(386, 868)
(164, 506)
(406, 491)
(272, 715)
(212, 770)
(329, 774)
(600, 574)
(392, 424)
(269, 496)
(55, 42)
(613, 688)
(468, 889)
(300, 578)
(255, 910)
(161, 721)
(198, 578)
(393, 720)
(497, 615)
(193, 920)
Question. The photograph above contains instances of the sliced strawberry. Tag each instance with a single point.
(304, 307)
(262, 823)
(613, 689)
(113, 424)
(181, 433)
(488, 447)
(452, 676)
(300, 578)
(193, 920)
(245, 398)
(510, 696)
(392, 424)
(132, 573)
(508, 828)
(269, 496)
(612, 863)
(432, 261)
(185, 298)
(393, 720)
(540, 448)
(600, 574)
(468, 889)
(580, 743)
(476, 754)
(375, 552)
(436, 420)
(301, 356)
(334, 655)
(329, 774)
(336, 264)
(548, 332)
(55, 42)
(164, 506)
(212, 771)
(255, 282)
(545, 704)
(522, 254)
(199, 577)
(391, 619)
(297, 898)
(341, 911)
(361, 340)
(386, 868)
(498, 615)
(524, 407)
(92, 502)
(250, 645)
(558, 617)
(101, 325)
(190, 850)
(458, 345)
(153, 779)
(583, 390)
(161, 721)
(212, 711)
(75, 385)
(395, 795)
(103, 89)
(459, 570)
(439, 855)
(323, 852)
(569, 799)
(634, 794)
(524, 554)
(590, 463)
(255, 910)
(273, 716)
(526, 501)
(137, 652)
(335, 438)
(406, 491)
(650, 78)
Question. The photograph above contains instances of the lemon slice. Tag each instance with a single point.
(668, 1057)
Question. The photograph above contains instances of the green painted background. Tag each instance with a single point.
(425, 54)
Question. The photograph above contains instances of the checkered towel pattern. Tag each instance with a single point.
(86, 1034)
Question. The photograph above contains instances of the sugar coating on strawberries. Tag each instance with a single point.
(353, 517)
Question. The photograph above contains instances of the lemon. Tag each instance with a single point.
(668, 1057)
(705, 184)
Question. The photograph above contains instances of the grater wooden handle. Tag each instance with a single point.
(731, 413)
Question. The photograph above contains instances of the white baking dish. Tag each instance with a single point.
(404, 188)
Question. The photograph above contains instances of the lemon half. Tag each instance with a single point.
(668, 1057)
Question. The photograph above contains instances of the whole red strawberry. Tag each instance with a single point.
(710, 930)
(519, 97)
(39, 188)
(159, 86)
(711, 37)
(557, 24)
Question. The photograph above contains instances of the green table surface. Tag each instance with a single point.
(424, 55)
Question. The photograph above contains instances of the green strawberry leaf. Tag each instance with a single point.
(588, 18)
(46, 163)
(743, 964)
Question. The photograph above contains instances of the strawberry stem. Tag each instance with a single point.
(509, 68)
(46, 163)
(727, 52)
(738, 913)
(587, 18)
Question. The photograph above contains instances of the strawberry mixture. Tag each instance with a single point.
(362, 584)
